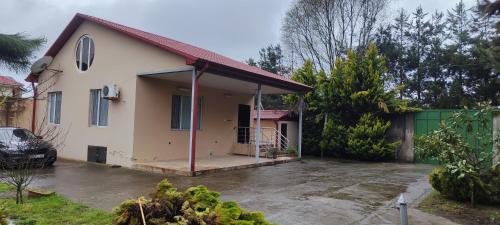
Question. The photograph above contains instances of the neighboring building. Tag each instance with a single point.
(158, 80)
(14, 110)
(280, 127)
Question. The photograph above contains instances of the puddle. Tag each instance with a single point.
(387, 191)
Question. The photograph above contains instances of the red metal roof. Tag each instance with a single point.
(273, 114)
(192, 54)
(9, 81)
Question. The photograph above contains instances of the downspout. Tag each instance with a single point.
(194, 117)
(33, 114)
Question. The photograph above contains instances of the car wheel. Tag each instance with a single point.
(50, 161)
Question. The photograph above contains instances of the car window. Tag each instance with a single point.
(9, 135)
(6, 135)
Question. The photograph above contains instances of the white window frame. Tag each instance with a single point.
(98, 119)
(200, 99)
(79, 46)
(52, 104)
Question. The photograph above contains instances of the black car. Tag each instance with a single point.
(19, 146)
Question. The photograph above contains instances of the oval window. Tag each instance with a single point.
(84, 53)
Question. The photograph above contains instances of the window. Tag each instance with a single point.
(98, 109)
(54, 107)
(84, 53)
(181, 112)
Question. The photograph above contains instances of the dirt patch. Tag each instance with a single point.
(460, 212)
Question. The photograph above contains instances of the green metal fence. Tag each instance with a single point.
(429, 120)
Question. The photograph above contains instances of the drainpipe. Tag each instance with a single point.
(33, 114)
(194, 117)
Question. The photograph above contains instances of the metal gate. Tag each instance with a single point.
(429, 120)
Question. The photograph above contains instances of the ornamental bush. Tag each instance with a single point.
(334, 138)
(195, 206)
(367, 140)
(466, 171)
(458, 189)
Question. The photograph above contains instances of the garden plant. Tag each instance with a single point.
(463, 150)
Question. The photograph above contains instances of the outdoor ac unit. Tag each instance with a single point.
(110, 92)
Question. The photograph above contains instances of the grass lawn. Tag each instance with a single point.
(460, 212)
(5, 187)
(52, 210)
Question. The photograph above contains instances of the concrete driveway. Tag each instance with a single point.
(313, 191)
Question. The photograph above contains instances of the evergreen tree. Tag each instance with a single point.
(356, 88)
(392, 42)
(419, 47)
(484, 66)
(401, 27)
(271, 60)
(314, 110)
(444, 61)
(435, 85)
(17, 50)
(457, 54)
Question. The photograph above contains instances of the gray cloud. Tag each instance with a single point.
(235, 28)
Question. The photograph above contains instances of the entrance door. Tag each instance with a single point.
(284, 134)
(243, 124)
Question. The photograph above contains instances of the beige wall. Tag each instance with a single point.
(292, 132)
(118, 59)
(268, 133)
(155, 140)
(139, 122)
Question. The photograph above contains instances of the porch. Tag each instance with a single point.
(192, 120)
(209, 165)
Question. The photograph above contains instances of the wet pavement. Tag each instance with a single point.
(312, 191)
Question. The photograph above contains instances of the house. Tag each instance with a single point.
(165, 88)
(280, 128)
(15, 110)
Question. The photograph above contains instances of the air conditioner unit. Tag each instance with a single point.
(110, 92)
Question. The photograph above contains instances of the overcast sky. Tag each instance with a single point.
(234, 28)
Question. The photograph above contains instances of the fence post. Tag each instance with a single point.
(403, 213)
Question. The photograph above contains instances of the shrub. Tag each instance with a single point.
(197, 205)
(292, 151)
(334, 138)
(465, 166)
(367, 140)
(458, 189)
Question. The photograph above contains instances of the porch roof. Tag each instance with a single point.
(218, 80)
(193, 55)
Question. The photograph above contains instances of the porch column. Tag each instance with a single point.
(194, 121)
(257, 130)
(301, 106)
